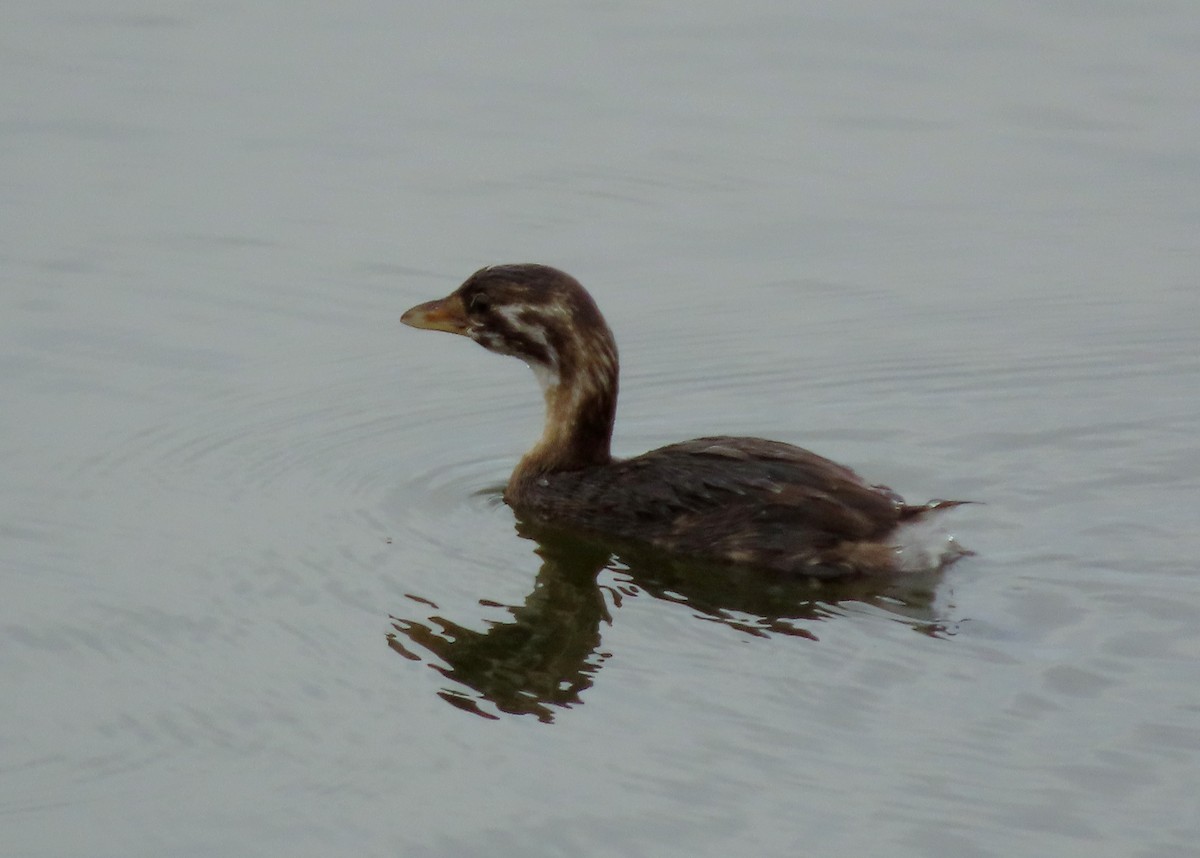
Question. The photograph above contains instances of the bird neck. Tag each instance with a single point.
(581, 405)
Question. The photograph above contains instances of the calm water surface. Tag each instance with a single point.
(261, 597)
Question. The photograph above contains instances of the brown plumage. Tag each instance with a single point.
(739, 500)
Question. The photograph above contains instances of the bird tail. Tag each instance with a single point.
(908, 512)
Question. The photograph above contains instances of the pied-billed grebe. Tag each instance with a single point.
(738, 500)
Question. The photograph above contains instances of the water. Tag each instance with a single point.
(260, 595)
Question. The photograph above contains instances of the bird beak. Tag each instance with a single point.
(445, 314)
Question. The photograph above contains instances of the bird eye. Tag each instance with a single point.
(479, 303)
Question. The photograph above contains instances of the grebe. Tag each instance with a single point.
(726, 499)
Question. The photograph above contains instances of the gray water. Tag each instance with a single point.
(260, 595)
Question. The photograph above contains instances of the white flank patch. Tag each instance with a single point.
(922, 546)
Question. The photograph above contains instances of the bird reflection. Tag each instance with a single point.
(548, 652)
(543, 658)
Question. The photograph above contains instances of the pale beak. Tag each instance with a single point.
(445, 314)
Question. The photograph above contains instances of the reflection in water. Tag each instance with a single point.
(550, 651)
(545, 657)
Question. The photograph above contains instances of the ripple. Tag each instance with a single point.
(456, 509)
(331, 425)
